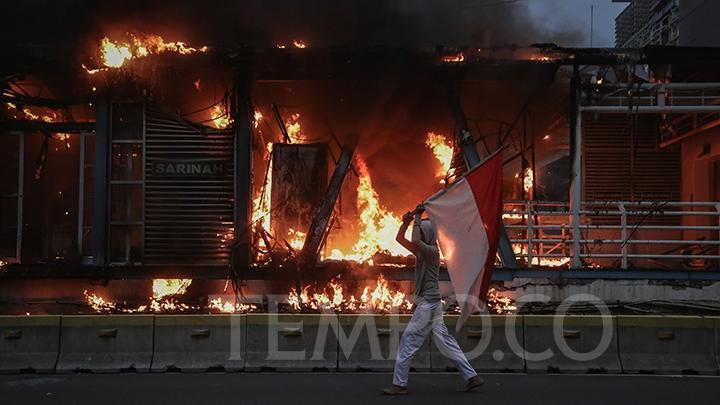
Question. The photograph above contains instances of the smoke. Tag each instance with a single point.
(405, 23)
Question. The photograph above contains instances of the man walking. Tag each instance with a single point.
(428, 315)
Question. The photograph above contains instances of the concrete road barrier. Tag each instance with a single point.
(667, 344)
(29, 343)
(571, 344)
(283, 342)
(486, 343)
(716, 320)
(106, 343)
(370, 343)
(198, 343)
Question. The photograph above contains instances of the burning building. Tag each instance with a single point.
(192, 169)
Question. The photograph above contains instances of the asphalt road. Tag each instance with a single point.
(352, 388)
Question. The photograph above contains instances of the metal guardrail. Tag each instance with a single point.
(616, 234)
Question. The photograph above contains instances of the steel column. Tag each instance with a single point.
(242, 118)
(20, 192)
(102, 153)
(576, 174)
(81, 196)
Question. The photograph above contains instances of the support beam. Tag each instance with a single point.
(319, 226)
(20, 193)
(51, 127)
(710, 125)
(472, 159)
(242, 118)
(102, 153)
(576, 171)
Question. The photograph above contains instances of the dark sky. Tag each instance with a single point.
(323, 22)
(555, 12)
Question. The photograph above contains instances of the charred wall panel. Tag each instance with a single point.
(299, 182)
(188, 193)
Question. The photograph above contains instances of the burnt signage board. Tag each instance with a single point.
(190, 168)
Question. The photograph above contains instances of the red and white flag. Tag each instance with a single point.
(468, 217)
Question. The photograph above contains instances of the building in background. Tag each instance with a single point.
(667, 22)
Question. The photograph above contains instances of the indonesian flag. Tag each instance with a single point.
(467, 216)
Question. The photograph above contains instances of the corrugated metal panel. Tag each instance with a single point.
(188, 193)
(623, 163)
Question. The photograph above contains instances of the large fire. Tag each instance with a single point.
(114, 53)
(378, 225)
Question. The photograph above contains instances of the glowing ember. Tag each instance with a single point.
(219, 118)
(377, 298)
(443, 152)
(98, 303)
(546, 137)
(3, 264)
(31, 113)
(299, 43)
(521, 249)
(508, 215)
(500, 304)
(456, 58)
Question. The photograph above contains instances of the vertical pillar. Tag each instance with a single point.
(81, 195)
(576, 171)
(102, 153)
(472, 159)
(241, 114)
(20, 192)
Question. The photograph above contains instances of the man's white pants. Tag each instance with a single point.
(428, 316)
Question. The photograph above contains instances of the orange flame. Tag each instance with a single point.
(257, 118)
(299, 43)
(377, 298)
(296, 239)
(379, 225)
(219, 117)
(261, 202)
(294, 129)
(442, 150)
(455, 58)
(220, 305)
(528, 177)
(114, 54)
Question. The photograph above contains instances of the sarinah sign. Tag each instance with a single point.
(195, 168)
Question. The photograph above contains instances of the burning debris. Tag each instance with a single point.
(167, 298)
(332, 297)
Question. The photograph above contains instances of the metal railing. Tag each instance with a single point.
(615, 234)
